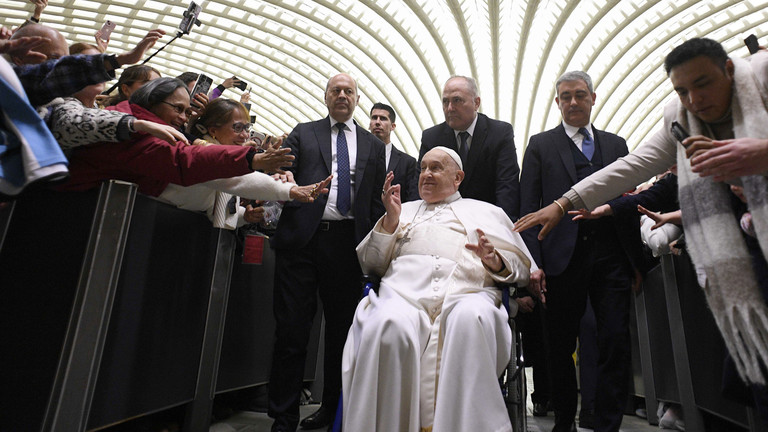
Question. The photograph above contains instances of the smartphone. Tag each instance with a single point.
(679, 132)
(751, 43)
(190, 18)
(202, 85)
(106, 30)
(242, 85)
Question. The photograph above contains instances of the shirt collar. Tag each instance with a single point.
(470, 129)
(572, 131)
(350, 123)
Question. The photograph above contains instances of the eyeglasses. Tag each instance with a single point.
(180, 109)
(241, 127)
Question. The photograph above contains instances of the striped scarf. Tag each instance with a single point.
(714, 237)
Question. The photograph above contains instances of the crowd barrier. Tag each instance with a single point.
(116, 306)
(681, 350)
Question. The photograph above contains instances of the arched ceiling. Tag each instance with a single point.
(402, 51)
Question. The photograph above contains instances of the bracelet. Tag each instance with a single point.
(130, 125)
(34, 20)
(562, 209)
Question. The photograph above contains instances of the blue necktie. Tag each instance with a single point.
(342, 171)
(464, 149)
(587, 144)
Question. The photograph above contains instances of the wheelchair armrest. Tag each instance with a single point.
(370, 282)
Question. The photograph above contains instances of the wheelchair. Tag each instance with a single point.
(512, 380)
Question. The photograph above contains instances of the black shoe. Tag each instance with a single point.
(540, 409)
(319, 419)
(587, 419)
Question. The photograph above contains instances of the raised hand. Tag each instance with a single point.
(24, 46)
(487, 253)
(137, 53)
(390, 196)
(674, 217)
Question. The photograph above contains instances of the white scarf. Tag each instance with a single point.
(714, 238)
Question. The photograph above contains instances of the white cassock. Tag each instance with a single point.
(425, 353)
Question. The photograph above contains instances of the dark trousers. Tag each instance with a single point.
(328, 264)
(531, 325)
(605, 275)
(588, 356)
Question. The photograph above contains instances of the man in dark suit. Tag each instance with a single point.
(315, 250)
(588, 257)
(403, 165)
(486, 147)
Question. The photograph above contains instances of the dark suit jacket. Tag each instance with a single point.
(406, 172)
(491, 173)
(548, 172)
(311, 144)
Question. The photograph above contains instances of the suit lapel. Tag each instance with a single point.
(563, 143)
(480, 133)
(363, 154)
(608, 152)
(323, 136)
(394, 159)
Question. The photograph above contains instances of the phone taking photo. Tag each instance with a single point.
(242, 85)
(751, 43)
(679, 132)
(202, 85)
(106, 30)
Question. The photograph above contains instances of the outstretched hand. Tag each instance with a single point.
(603, 210)
(24, 46)
(487, 253)
(308, 193)
(274, 157)
(167, 133)
(548, 216)
(674, 217)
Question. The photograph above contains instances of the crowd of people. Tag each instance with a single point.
(442, 232)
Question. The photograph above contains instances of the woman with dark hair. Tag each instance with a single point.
(225, 122)
(160, 168)
(131, 80)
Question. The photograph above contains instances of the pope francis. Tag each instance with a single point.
(424, 354)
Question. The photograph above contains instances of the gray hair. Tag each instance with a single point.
(156, 91)
(471, 84)
(575, 76)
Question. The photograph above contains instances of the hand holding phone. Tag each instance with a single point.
(202, 85)
(751, 43)
(242, 85)
(679, 132)
(106, 30)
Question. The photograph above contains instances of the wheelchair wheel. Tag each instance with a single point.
(514, 388)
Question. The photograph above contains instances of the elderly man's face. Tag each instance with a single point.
(704, 88)
(341, 97)
(440, 176)
(459, 104)
(575, 102)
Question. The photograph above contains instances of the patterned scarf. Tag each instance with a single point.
(714, 237)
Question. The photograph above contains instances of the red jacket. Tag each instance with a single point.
(151, 162)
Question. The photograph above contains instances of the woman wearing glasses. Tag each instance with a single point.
(167, 171)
